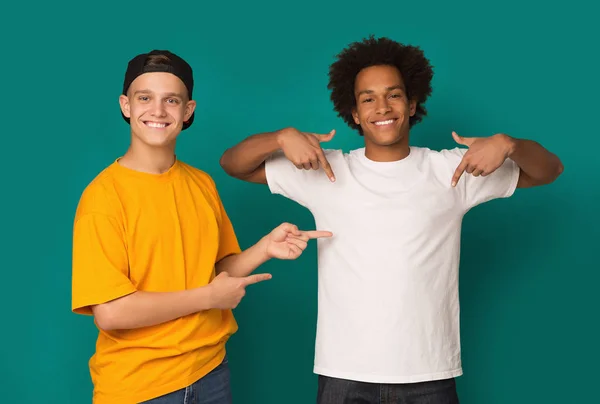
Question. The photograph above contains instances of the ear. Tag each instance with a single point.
(124, 102)
(355, 116)
(413, 107)
(190, 107)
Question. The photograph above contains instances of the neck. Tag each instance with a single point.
(148, 159)
(386, 153)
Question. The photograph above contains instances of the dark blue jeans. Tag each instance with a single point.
(339, 391)
(214, 388)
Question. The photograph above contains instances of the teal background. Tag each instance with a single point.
(529, 274)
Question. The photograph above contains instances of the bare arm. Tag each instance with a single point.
(244, 263)
(145, 309)
(538, 165)
(246, 160)
(285, 242)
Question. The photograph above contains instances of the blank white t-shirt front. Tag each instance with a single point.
(388, 305)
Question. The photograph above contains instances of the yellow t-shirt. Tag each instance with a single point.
(160, 233)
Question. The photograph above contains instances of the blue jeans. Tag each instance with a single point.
(339, 391)
(214, 388)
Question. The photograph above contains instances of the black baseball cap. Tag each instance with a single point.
(176, 65)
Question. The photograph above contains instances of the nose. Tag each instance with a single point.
(158, 109)
(382, 107)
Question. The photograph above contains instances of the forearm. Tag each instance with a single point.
(244, 263)
(244, 158)
(145, 309)
(540, 165)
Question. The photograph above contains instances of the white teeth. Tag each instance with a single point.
(156, 125)
(381, 123)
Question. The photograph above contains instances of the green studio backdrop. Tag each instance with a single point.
(529, 274)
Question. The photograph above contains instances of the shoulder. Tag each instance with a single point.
(337, 156)
(443, 154)
(439, 165)
(204, 187)
(333, 153)
(336, 153)
(277, 166)
(444, 157)
(98, 197)
(200, 176)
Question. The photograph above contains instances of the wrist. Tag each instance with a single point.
(280, 136)
(510, 143)
(263, 248)
(204, 297)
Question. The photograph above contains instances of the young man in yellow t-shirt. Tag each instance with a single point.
(155, 257)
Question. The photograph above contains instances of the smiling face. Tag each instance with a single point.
(382, 107)
(157, 105)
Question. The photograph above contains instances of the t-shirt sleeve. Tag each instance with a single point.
(284, 178)
(228, 242)
(477, 190)
(100, 265)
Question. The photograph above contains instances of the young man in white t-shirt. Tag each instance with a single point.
(388, 310)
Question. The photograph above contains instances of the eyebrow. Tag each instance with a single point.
(396, 87)
(166, 94)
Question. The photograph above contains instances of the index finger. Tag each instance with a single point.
(252, 279)
(317, 234)
(326, 166)
(459, 171)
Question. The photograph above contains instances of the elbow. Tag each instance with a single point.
(224, 162)
(105, 317)
(558, 170)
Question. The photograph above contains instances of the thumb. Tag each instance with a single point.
(252, 279)
(222, 274)
(465, 141)
(327, 137)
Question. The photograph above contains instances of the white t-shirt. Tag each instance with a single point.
(388, 307)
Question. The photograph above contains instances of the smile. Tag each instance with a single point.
(157, 125)
(384, 123)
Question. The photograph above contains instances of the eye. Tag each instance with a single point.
(396, 96)
(143, 98)
(367, 100)
(172, 101)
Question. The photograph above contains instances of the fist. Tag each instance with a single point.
(485, 155)
(227, 291)
(304, 150)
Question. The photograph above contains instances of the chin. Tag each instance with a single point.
(158, 144)
(153, 140)
(382, 140)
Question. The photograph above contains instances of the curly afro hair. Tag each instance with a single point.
(415, 69)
